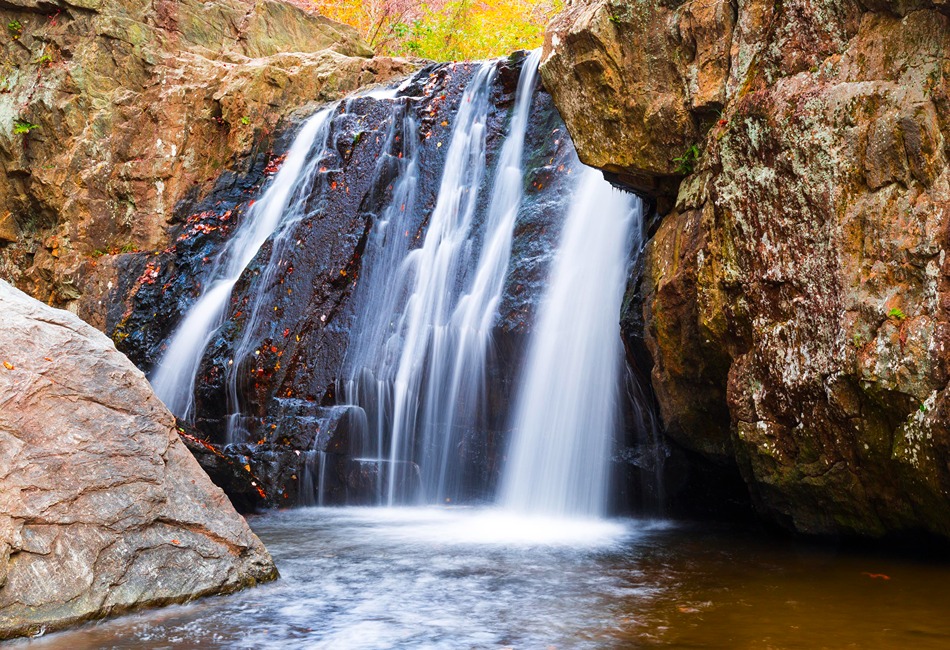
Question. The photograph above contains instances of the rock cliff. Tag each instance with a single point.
(113, 113)
(795, 295)
(102, 508)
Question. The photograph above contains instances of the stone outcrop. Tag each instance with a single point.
(795, 295)
(115, 112)
(102, 508)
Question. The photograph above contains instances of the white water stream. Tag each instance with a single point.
(174, 376)
(566, 413)
(416, 365)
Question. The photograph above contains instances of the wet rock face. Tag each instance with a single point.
(102, 508)
(795, 295)
(115, 112)
(305, 312)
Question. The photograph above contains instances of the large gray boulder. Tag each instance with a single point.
(102, 508)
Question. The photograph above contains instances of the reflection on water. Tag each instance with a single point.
(460, 578)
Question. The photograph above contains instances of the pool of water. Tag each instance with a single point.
(466, 578)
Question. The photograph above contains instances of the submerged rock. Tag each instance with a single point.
(102, 508)
(795, 295)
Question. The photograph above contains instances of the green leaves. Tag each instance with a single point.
(22, 127)
(687, 162)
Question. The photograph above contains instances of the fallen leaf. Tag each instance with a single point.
(877, 576)
(8, 365)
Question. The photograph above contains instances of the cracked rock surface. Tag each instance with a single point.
(102, 508)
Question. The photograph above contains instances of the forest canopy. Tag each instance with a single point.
(445, 30)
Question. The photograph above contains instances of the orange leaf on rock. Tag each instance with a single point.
(8, 365)
(877, 576)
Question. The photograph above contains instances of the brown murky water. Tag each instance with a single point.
(459, 578)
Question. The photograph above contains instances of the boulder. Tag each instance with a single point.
(795, 294)
(102, 508)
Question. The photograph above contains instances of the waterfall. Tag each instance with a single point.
(174, 376)
(566, 410)
(428, 281)
(416, 362)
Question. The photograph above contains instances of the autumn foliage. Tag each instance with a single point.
(445, 30)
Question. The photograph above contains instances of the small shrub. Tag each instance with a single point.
(245, 120)
(445, 30)
(23, 127)
(897, 313)
(15, 27)
(687, 162)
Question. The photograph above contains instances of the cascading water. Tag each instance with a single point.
(416, 364)
(174, 377)
(434, 280)
(566, 411)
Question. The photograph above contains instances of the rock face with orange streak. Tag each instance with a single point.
(113, 113)
(795, 294)
(102, 508)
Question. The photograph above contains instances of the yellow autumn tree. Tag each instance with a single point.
(445, 30)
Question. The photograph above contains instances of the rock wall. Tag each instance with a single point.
(114, 113)
(102, 508)
(795, 295)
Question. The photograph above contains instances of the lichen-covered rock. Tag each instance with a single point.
(795, 297)
(102, 508)
(113, 112)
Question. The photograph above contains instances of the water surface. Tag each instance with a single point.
(465, 578)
